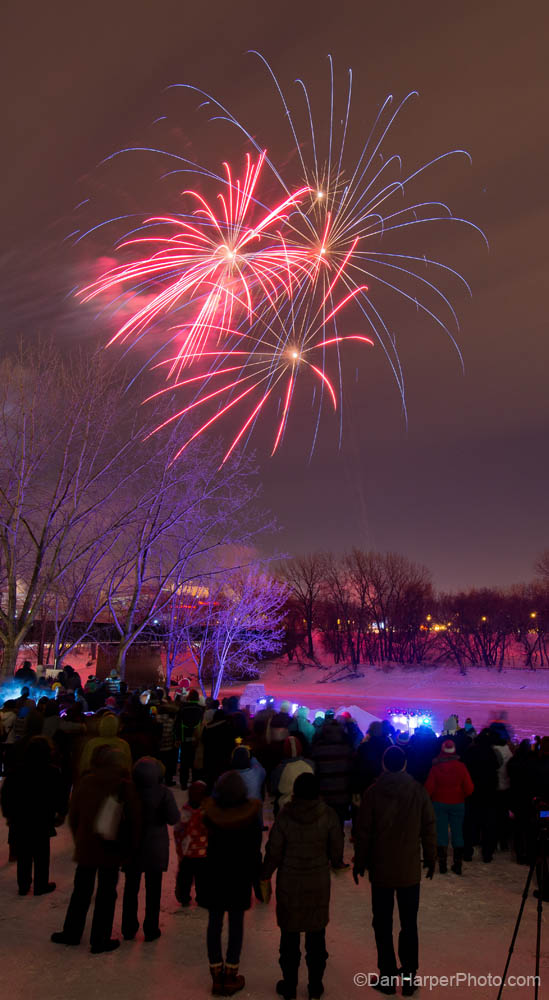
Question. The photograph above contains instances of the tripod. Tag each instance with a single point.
(543, 881)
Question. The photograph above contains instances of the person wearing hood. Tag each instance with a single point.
(234, 843)
(302, 728)
(451, 725)
(305, 839)
(108, 727)
(396, 818)
(284, 776)
(99, 851)
(351, 728)
(332, 757)
(34, 804)
(449, 784)
(158, 811)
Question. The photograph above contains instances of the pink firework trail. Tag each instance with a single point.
(222, 260)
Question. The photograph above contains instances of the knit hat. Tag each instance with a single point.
(285, 707)
(448, 747)
(306, 786)
(229, 790)
(241, 758)
(394, 760)
(403, 740)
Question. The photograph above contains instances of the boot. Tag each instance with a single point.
(442, 853)
(458, 858)
(217, 979)
(232, 982)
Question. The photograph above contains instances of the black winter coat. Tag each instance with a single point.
(32, 798)
(218, 742)
(304, 840)
(395, 817)
(482, 764)
(367, 762)
(332, 757)
(233, 860)
(158, 811)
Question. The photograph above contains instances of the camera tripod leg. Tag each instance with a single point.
(538, 938)
(516, 930)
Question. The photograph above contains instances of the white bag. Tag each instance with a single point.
(107, 821)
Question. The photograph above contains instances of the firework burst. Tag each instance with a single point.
(264, 287)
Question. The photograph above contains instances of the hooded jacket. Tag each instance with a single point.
(158, 811)
(233, 857)
(449, 781)
(304, 840)
(395, 817)
(108, 727)
(284, 776)
(90, 850)
(332, 757)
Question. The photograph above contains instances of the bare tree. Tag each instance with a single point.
(240, 623)
(68, 458)
(304, 576)
(542, 567)
(192, 514)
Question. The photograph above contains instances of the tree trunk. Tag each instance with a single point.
(9, 657)
(310, 646)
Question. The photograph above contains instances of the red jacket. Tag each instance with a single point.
(449, 781)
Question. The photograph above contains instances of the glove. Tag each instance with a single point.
(430, 871)
(266, 890)
(357, 873)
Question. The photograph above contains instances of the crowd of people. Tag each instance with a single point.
(106, 759)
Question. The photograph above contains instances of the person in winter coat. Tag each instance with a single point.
(108, 726)
(187, 723)
(449, 784)
(253, 773)
(480, 825)
(284, 776)
(521, 771)
(8, 716)
(396, 817)
(218, 742)
(503, 753)
(305, 840)
(167, 751)
(367, 764)
(333, 760)
(33, 804)
(158, 811)
(234, 844)
(191, 845)
(302, 728)
(99, 858)
(423, 748)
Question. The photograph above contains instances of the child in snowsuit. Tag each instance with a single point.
(191, 844)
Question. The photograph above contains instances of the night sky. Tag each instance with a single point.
(464, 487)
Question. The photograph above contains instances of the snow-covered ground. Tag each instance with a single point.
(465, 927)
